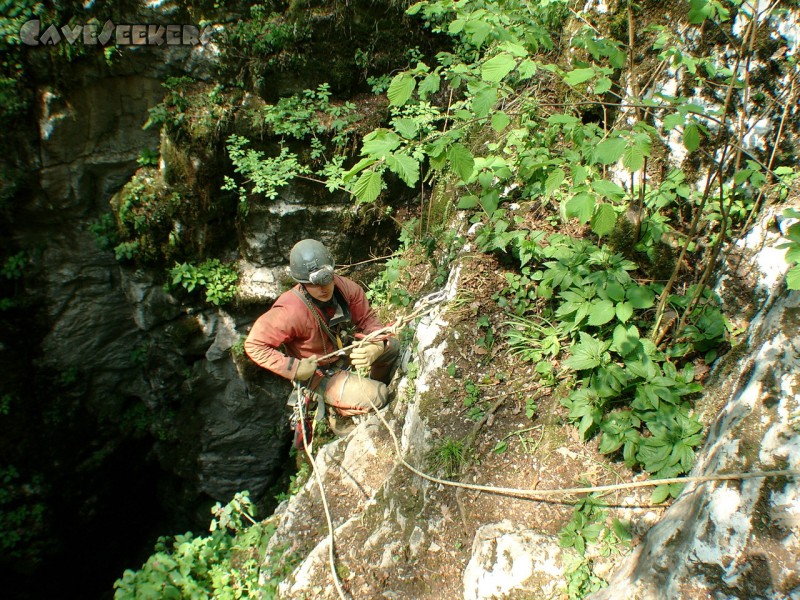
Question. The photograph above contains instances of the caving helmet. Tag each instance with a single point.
(310, 262)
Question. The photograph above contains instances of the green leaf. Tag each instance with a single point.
(603, 85)
(526, 69)
(698, 11)
(401, 88)
(633, 158)
(615, 291)
(640, 296)
(515, 49)
(691, 137)
(486, 179)
(674, 120)
(629, 453)
(408, 128)
(358, 167)
(601, 312)
(581, 205)
(562, 119)
(579, 174)
(500, 121)
(379, 143)
(609, 443)
(406, 167)
(624, 311)
(793, 278)
(622, 530)
(461, 160)
(368, 187)
(579, 76)
(467, 202)
(592, 532)
(626, 340)
(500, 447)
(554, 181)
(498, 67)
(660, 493)
(478, 30)
(484, 100)
(675, 489)
(429, 85)
(604, 219)
(609, 151)
(490, 200)
(609, 189)
(587, 354)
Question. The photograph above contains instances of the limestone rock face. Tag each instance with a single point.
(505, 558)
(270, 229)
(92, 333)
(113, 329)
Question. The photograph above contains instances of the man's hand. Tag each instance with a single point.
(306, 368)
(363, 356)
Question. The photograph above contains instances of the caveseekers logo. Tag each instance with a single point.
(92, 34)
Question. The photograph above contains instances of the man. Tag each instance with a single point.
(316, 318)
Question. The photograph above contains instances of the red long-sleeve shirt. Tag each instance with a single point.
(290, 325)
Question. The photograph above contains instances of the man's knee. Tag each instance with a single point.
(351, 395)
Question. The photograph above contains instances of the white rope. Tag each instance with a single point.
(331, 551)
(543, 493)
(427, 304)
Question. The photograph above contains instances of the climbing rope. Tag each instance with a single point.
(425, 305)
(307, 448)
(544, 493)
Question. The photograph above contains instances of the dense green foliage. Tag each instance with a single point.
(793, 250)
(474, 119)
(14, 97)
(225, 564)
(217, 279)
(590, 526)
(527, 126)
(538, 130)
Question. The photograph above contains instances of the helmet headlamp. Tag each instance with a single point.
(322, 276)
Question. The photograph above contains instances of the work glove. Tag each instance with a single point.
(362, 357)
(306, 368)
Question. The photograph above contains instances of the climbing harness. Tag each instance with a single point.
(302, 421)
(326, 331)
(304, 395)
